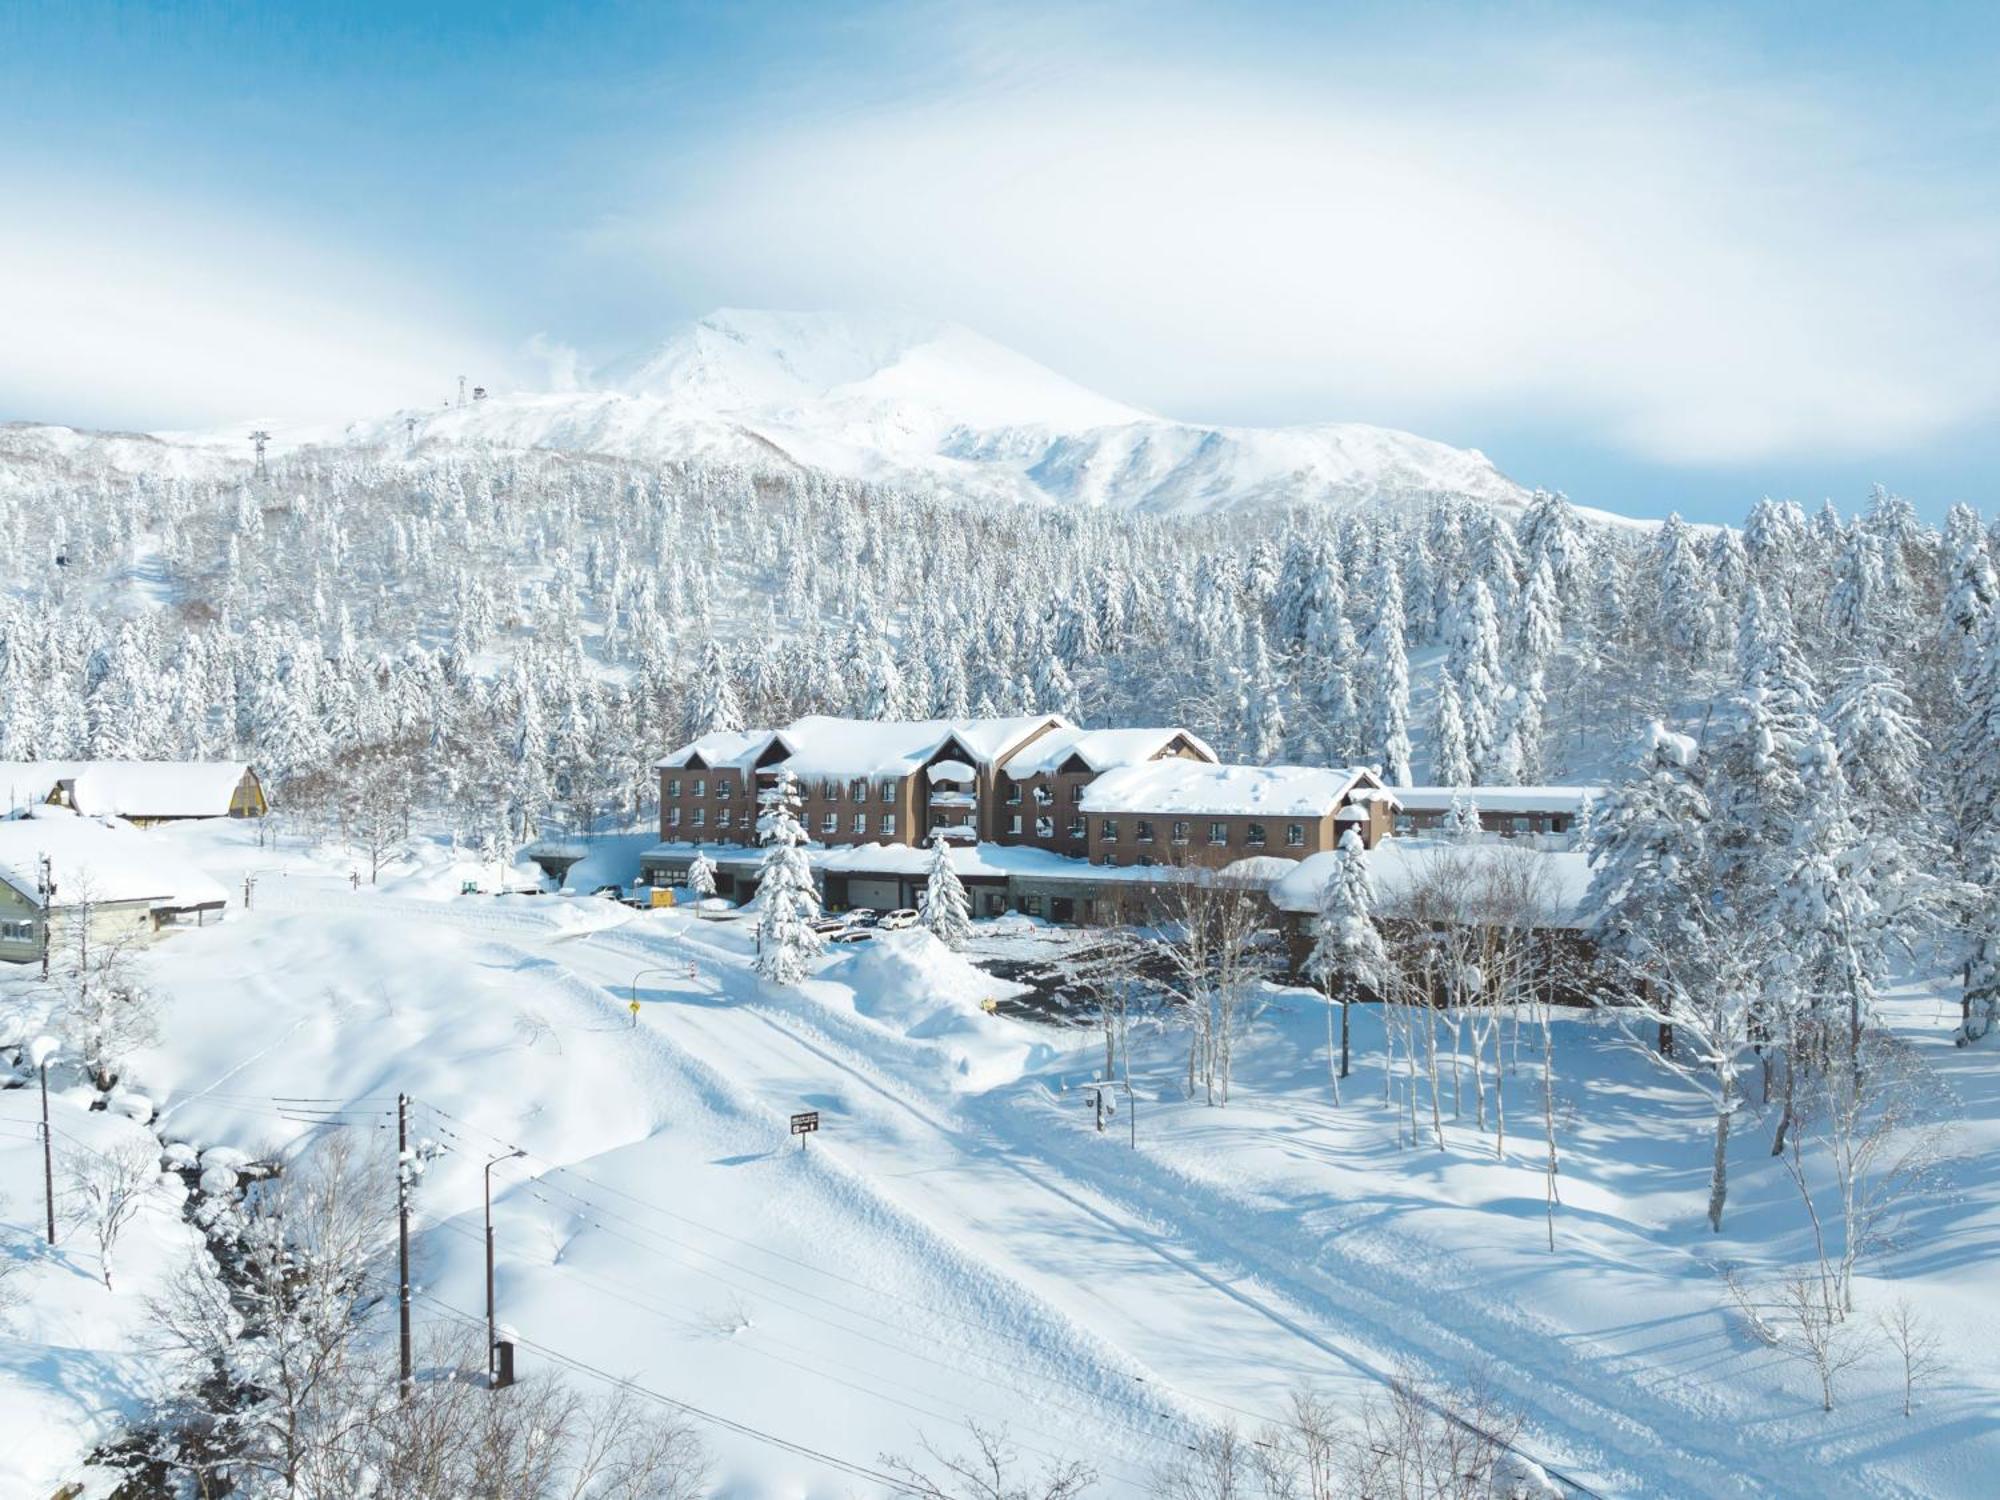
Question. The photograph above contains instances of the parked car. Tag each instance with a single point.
(897, 920)
(715, 909)
(862, 916)
(615, 892)
(830, 925)
(853, 935)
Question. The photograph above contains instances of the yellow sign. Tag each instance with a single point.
(663, 898)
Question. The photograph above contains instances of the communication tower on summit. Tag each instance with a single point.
(258, 439)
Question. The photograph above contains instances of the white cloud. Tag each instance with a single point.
(1705, 269)
(121, 308)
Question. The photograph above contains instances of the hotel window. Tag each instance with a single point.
(1179, 833)
(1143, 831)
(700, 817)
(722, 817)
(1045, 828)
(1076, 829)
(673, 817)
(1013, 794)
(1076, 791)
(889, 790)
(888, 825)
(830, 790)
(1295, 835)
(1147, 859)
(673, 786)
(699, 787)
(829, 823)
(860, 823)
(1218, 833)
(724, 788)
(1014, 824)
(1107, 830)
(858, 791)
(1254, 835)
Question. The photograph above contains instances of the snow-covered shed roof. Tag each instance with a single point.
(1100, 749)
(99, 859)
(126, 788)
(1396, 865)
(1500, 799)
(1203, 790)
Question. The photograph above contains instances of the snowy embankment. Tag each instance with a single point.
(957, 1240)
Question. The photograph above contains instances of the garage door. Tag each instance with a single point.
(883, 895)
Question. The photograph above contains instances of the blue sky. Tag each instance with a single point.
(1658, 256)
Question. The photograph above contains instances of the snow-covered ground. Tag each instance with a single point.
(957, 1240)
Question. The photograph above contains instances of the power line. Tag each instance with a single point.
(688, 1408)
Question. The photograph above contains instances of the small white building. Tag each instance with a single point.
(140, 791)
(59, 867)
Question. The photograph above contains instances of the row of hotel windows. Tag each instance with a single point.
(1145, 831)
(829, 822)
(829, 791)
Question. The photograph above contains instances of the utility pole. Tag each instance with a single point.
(461, 390)
(48, 1146)
(492, 1326)
(258, 439)
(403, 1170)
(249, 886)
(46, 887)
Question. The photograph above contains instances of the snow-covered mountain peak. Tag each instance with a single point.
(748, 363)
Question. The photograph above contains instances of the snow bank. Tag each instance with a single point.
(911, 984)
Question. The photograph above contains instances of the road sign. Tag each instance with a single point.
(804, 1125)
(634, 1008)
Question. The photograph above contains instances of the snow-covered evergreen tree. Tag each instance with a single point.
(942, 906)
(701, 875)
(1348, 960)
(787, 902)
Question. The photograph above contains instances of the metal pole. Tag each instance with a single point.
(492, 1327)
(403, 1240)
(48, 1155)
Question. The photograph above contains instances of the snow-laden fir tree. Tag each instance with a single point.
(1348, 959)
(1461, 819)
(1451, 759)
(701, 875)
(788, 905)
(1689, 966)
(942, 907)
(712, 704)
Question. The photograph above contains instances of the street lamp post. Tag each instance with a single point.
(492, 1326)
(48, 1153)
(656, 969)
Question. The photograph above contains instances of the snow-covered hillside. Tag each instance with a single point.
(930, 406)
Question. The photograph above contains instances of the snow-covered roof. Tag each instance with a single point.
(734, 748)
(127, 788)
(101, 859)
(823, 746)
(1100, 749)
(1500, 799)
(1395, 866)
(1201, 790)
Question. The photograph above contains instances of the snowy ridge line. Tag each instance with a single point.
(1148, 1241)
(1095, 1417)
(743, 1429)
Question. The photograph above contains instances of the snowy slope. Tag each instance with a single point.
(881, 398)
